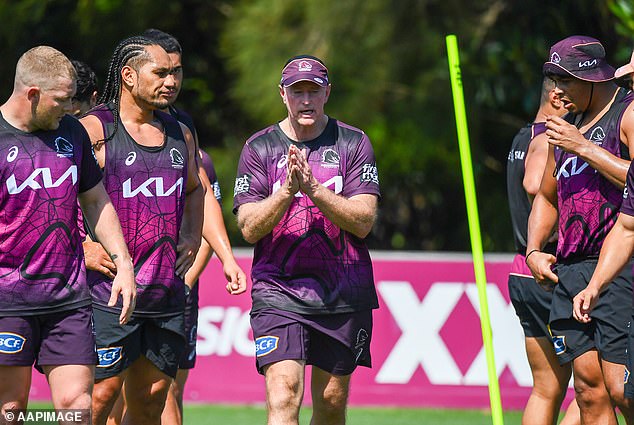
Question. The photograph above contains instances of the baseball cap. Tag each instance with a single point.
(581, 57)
(625, 69)
(304, 68)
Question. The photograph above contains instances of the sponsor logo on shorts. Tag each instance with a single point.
(109, 356)
(362, 338)
(559, 343)
(11, 343)
(626, 377)
(265, 345)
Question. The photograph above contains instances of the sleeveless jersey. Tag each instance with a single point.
(41, 256)
(519, 204)
(307, 264)
(207, 164)
(588, 203)
(147, 188)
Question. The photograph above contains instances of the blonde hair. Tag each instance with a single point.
(42, 66)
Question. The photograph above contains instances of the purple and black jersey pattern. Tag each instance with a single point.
(207, 164)
(41, 257)
(627, 207)
(147, 188)
(307, 264)
(588, 203)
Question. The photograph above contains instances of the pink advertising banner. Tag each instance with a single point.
(426, 346)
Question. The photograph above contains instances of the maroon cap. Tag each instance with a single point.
(304, 69)
(581, 57)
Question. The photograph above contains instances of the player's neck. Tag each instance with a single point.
(17, 115)
(604, 96)
(133, 111)
(303, 133)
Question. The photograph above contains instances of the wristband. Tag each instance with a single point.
(529, 254)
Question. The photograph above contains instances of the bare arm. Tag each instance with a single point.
(355, 214)
(541, 224)
(191, 226)
(258, 219)
(534, 164)
(215, 239)
(102, 216)
(615, 253)
(567, 136)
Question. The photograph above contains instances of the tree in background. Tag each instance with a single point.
(388, 62)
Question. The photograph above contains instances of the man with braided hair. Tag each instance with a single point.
(214, 239)
(45, 167)
(150, 172)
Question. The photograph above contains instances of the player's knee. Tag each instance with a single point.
(80, 400)
(14, 404)
(330, 407)
(589, 393)
(147, 406)
(283, 392)
(105, 393)
(550, 389)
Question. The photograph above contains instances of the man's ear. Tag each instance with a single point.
(128, 75)
(33, 94)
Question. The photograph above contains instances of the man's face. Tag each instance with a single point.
(305, 102)
(177, 72)
(573, 93)
(53, 104)
(155, 84)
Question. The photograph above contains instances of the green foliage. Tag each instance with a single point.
(388, 67)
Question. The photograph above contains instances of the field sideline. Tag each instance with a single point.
(204, 414)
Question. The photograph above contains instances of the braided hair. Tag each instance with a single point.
(130, 51)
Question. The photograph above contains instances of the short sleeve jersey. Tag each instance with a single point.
(147, 188)
(588, 203)
(307, 264)
(41, 256)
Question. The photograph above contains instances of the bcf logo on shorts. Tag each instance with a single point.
(559, 343)
(109, 356)
(265, 345)
(11, 343)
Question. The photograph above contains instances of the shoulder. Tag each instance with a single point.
(347, 134)
(184, 118)
(264, 140)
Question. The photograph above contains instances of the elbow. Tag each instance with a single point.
(247, 232)
(363, 228)
(249, 236)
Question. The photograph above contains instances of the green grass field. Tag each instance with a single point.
(203, 414)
